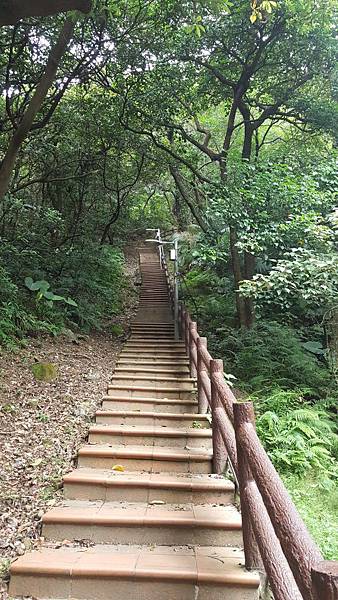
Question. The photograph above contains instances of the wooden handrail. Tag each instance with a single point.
(273, 531)
(298, 546)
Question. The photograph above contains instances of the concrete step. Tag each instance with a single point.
(153, 361)
(154, 295)
(157, 342)
(150, 324)
(171, 357)
(152, 353)
(155, 391)
(147, 326)
(114, 486)
(161, 405)
(154, 380)
(149, 435)
(151, 336)
(154, 292)
(163, 346)
(134, 371)
(148, 302)
(139, 458)
(114, 417)
(141, 523)
(134, 572)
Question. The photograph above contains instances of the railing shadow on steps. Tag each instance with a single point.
(275, 538)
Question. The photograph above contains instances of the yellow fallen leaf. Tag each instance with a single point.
(118, 468)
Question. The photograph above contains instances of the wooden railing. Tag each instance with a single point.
(275, 538)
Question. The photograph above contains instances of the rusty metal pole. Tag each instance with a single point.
(244, 413)
(181, 320)
(187, 332)
(203, 402)
(219, 451)
(325, 580)
(176, 291)
(192, 349)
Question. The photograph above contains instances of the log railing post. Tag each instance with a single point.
(192, 348)
(219, 450)
(203, 401)
(244, 413)
(325, 580)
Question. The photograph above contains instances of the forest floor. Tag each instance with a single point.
(43, 424)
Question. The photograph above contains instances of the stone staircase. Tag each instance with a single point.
(143, 515)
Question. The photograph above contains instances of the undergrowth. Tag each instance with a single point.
(294, 394)
(92, 280)
(318, 506)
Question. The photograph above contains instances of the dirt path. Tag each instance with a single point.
(43, 424)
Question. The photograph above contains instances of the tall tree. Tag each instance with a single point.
(34, 105)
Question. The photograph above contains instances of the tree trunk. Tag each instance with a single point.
(227, 139)
(11, 11)
(250, 269)
(237, 273)
(247, 142)
(186, 197)
(34, 105)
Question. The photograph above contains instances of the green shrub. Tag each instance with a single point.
(271, 355)
(299, 437)
(117, 330)
(209, 299)
(87, 284)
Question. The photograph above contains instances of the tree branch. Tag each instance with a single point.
(12, 11)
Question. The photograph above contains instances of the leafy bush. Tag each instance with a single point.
(87, 288)
(16, 318)
(298, 436)
(209, 299)
(271, 354)
(302, 282)
(43, 292)
(93, 277)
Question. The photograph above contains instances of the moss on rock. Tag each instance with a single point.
(44, 371)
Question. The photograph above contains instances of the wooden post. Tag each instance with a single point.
(244, 413)
(298, 546)
(203, 401)
(219, 450)
(192, 349)
(325, 580)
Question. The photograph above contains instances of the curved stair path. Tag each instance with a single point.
(165, 528)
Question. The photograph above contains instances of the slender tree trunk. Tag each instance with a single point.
(249, 259)
(247, 142)
(186, 197)
(34, 105)
(237, 273)
(250, 269)
(227, 139)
